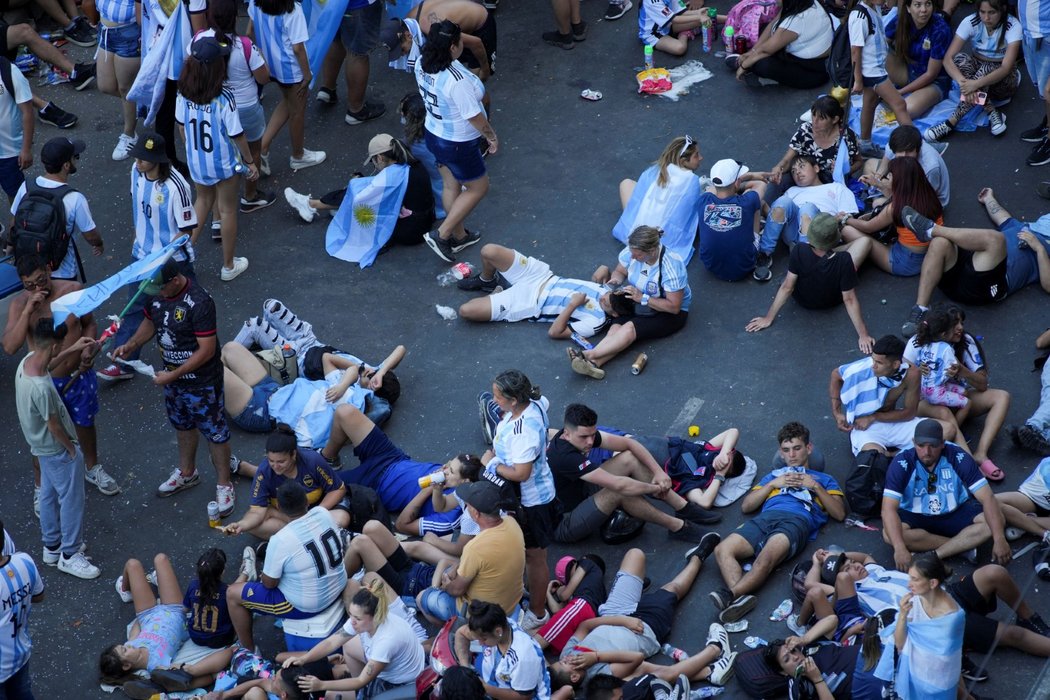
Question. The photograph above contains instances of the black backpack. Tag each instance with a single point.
(840, 59)
(865, 483)
(39, 226)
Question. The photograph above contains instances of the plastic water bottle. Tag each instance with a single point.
(782, 611)
(648, 54)
(754, 642)
(705, 38)
(708, 691)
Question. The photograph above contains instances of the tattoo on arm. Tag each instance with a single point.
(369, 670)
(994, 208)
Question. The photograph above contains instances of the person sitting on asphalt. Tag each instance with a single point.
(795, 503)
(821, 274)
(820, 137)
(378, 550)
(590, 489)
(936, 499)
(1028, 508)
(864, 396)
(632, 626)
(1034, 435)
(907, 142)
(521, 287)
(573, 597)
(511, 660)
(979, 266)
(730, 216)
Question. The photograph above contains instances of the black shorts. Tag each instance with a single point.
(580, 523)
(656, 609)
(539, 524)
(313, 367)
(658, 325)
(945, 524)
(963, 284)
(487, 34)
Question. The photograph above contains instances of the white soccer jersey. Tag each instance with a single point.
(162, 210)
(452, 97)
(20, 581)
(210, 129)
(306, 555)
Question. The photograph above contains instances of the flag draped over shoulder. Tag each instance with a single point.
(842, 163)
(303, 407)
(84, 301)
(366, 218)
(170, 48)
(323, 18)
(929, 663)
(675, 208)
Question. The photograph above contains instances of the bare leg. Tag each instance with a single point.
(348, 425)
(626, 190)
(24, 35)
(728, 554)
(187, 441)
(994, 403)
(616, 340)
(464, 203)
(203, 205)
(88, 438)
(135, 581)
(356, 81)
(168, 589)
(566, 13)
(859, 250)
(126, 70)
(894, 101)
(240, 616)
(333, 60)
(941, 255)
(775, 551)
(227, 192)
(683, 581)
(695, 668)
(970, 537)
(988, 245)
(220, 459)
(537, 573)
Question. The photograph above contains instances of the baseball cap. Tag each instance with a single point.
(726, 171)
(823, 232)
(561, 569)
(833, 564)
(166, 273)
(929, 432)
(150, 147)
(380, 143)
(483, 495)
(208, 48)
(390, 36)
(60, 150)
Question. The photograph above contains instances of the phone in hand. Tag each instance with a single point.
(980, 98)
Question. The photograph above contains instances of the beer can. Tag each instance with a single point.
(213, 514)
(639, 363)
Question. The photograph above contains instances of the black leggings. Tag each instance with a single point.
(165, 125)
(791, 71)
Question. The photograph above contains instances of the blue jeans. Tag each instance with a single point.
(790, 229)
(1040, 420)
(62, 501)
(17, 686)
(133, 317)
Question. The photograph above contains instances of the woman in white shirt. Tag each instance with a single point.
(791, 50)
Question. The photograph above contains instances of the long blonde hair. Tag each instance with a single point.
(372, 599)
(679, 151)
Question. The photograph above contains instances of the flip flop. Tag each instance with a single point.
(991, 471)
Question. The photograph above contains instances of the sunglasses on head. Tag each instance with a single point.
(689, 141)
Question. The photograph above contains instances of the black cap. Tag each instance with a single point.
(390, 37)
(929, 432)
(150, 147)
(166, 273)
(833, 564)
(59, 151)
(207, 48)
(483, 495)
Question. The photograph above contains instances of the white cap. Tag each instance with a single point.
(726, 171)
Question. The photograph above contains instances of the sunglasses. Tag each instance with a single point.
(689, 141)
(931, 482)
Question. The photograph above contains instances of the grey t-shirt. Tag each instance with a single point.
(613, 638)
(935, 168)
(36, 400)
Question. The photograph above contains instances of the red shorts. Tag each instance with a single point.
(560, 628)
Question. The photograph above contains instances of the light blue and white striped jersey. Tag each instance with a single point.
(522, 668)
(11, 133)
(1035, 18)
(587, 319)
(882, 588)
(452, 96)
(20, 581)
(116, 11)
(306, 556)
(1037, 485)
(862, 392)
(668, 274)
(210, 129)
(162, 210)
(524, 439)
(154, 19)
(277, 34)
(407, 62)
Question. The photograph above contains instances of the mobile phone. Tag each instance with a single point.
(980, 98)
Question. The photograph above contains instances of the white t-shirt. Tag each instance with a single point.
(396, 607)
(830, 199)
(239, 76)
(306, 555)
(11, 115)
(78, 218)
(814, 32)
(522, 668)
(452, 97)
(396, 645)
(985, 44)
(873, 55)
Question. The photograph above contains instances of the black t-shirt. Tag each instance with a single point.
(569, 466)
(837, 665)
(592, 587)
(821, 280)
(180, 321)
(419, 195)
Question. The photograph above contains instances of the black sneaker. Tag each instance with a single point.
(326, 96)
(733, 61)
(83, 76)
(579, 31)
(261, 200)
(971, 672)
(690, 532)
(562, 41)
(918, 224)
(173, 680)
(56, 116)
(698, 514)
(707, 545)
(1036, 133)
(440, 246)
(617, 9)
(459, 244)
(1033, 440)
(371, 110)
(1040, 155)
(1035, 624)
(139, 689)
(81, 33)
(476, 284)
(738, 608)
(763, 263)
(911, 324)
(721, 598)
(260, 554)
(491, 4)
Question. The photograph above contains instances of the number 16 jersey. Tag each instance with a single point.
(210, 129)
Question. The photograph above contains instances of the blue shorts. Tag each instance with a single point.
(124, 40)
(253, 121)
(849, 613)
(80, 397)
(462, 158)
(255, 418)
(945, 524)
(1038, 61)
(359, 30)
(1022, 266)
(11, 176)
(875, 82)
(760, 528)
(905, 263)
(376, 454)
(270, 601)
(440, 605)
(199, 407)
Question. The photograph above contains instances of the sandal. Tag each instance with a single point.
(581, 365)
(991, 471)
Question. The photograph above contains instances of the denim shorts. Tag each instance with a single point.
(255, 418)
(875, 82)
(11, 176)
(905, 263)
(439, 604)
(462, 158)
(122, 40)
(359, 30)
(1038, 62)
(253, 121)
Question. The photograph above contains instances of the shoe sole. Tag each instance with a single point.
(483, 414)
(79, 575)
(114, 492)
(296, 167)
(171, 682)
(626, 8)
(354, 121)
(434, 247)
(1033, 139)
(582, 366)
(458, 248)
(256, 207)
(84, 85)
(168, 494)
(721, 681)
(737, 610)
(1031, 440)
(108, 378)
(567, 45)
(84, 44)
(716, 600)
(762, 278)
(231, 276)
(54, 123)
(1035, 163)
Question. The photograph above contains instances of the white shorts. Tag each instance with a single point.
(521, 300)
(886, 435)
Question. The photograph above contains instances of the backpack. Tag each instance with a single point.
(865, 483)
(39, 226)
(798, 581)
(749, 17)
(840, 58)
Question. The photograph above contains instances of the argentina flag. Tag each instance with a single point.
(84, 301)
(323, 18)
(675, 208)
(366, 218)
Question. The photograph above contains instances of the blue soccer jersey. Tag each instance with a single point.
(211, 152)
(116, 11)
(800, 501)
(941, 491)
(524, 439)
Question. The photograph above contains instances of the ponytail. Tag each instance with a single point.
(436, 54)
(372, 600)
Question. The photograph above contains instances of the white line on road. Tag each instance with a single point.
(685, 417)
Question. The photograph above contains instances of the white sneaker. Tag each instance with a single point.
(722, 669)
(235, 464)
(264, 164)
(309, 159)
(231, 273)
(102, 481)
(530, 623)
(795, 626)
(177, 482)
(123, 148)
(79, 566)
(36, 501)
(225, 497)
(301, 204)
(125, 596)
(248, 568)
(51, 556)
